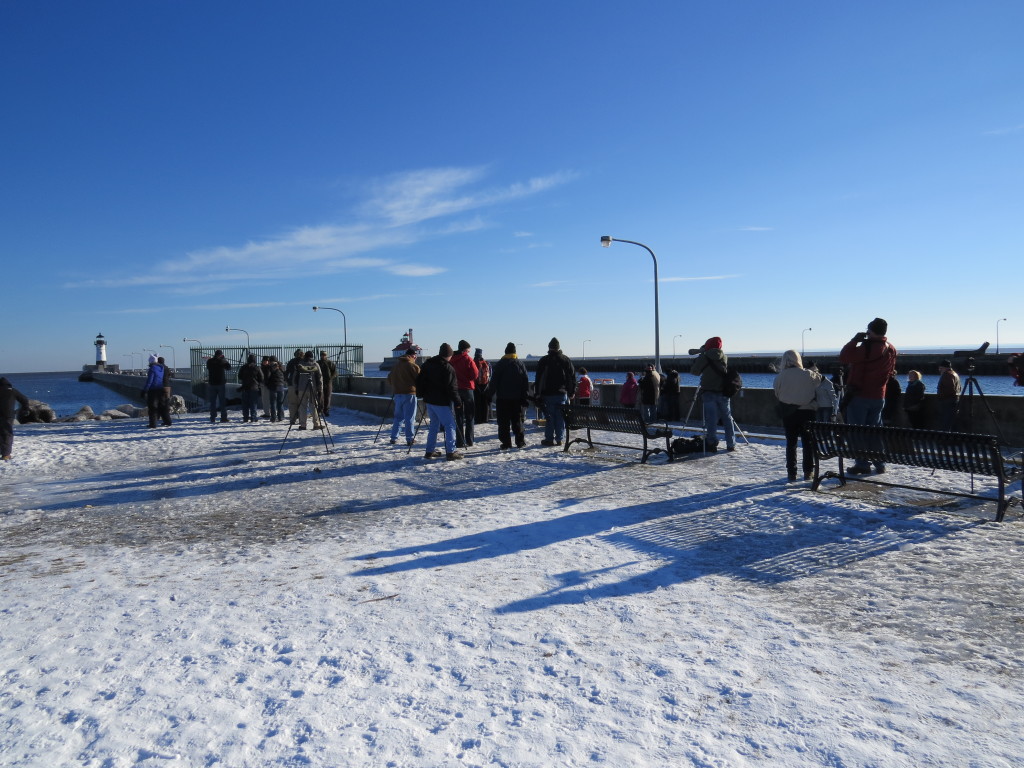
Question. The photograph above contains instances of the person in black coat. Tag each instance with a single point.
(509, 386)
(8, 397)
(437, 385)
(217, 385)
(556, 383)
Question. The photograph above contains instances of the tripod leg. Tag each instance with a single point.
(391, 407)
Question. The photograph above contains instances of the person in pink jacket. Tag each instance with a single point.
(627, 396)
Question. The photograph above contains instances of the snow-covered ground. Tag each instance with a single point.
(193, 596)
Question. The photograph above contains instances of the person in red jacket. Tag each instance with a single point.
(872, 360)
(584, 388)
(466, 373)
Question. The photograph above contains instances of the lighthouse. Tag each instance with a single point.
(101, 352)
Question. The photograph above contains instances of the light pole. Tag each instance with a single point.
(1000, 320)
(131, 359)
(247, 345)
(805, 330)
(197, 341)
(585, 348)
(174, 356)
(344, 323)
(606, 242)
(677, 336)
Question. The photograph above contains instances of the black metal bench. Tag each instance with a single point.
(950, 451)
(625, 421)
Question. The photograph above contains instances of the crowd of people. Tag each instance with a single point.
(458, 390)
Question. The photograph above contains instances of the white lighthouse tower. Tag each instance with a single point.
(101, 352)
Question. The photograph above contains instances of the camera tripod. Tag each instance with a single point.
(971, 386)
(686, 422)
(308, 395)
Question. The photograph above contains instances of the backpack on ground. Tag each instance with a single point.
(684, 445)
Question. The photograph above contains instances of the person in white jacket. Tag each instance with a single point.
(796, 388)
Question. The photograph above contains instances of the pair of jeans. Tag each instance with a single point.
(464, 418)
(554, 423)
(717, 408)
(218, 394)
(277, 397)
(250, 404)
(867, 411)
(405, 412)
(441, 417)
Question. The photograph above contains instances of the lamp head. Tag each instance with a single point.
(316, 308)
(606, 241)
(227, 328)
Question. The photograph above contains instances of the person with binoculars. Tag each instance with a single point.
(872, 360)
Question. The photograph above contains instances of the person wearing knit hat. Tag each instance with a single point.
(509, 386)
(555, 384)
(483, 377)
(309, 386)
(402, 380)
(438, 387)
(712, 364)
(466, 373)
(216, 386)
(872, 361)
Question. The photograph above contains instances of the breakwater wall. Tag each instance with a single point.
(752, 408)
(926, 362)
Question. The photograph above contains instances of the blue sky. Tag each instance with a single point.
(172, 168)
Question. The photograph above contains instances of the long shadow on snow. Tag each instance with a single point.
(464, 484)
(775, 536)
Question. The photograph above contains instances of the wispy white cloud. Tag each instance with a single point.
(550, 284)
(1005, 131)
(756, 229)
(398, 211)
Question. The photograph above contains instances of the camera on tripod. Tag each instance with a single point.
(968, 355)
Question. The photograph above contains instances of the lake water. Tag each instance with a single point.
(63, 392)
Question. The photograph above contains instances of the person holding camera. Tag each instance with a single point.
(872, 360)
(711, 365)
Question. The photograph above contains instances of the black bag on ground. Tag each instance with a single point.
(684, 445)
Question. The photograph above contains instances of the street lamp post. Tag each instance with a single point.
(344, 322)
(197, 341)
(174, 356)
(585, 348)
(131, 359)
(606, 242)
(805, 330)
(678, 335)
(1000, 320)
(247, 345)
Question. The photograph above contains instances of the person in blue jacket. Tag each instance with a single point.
(157, 402)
